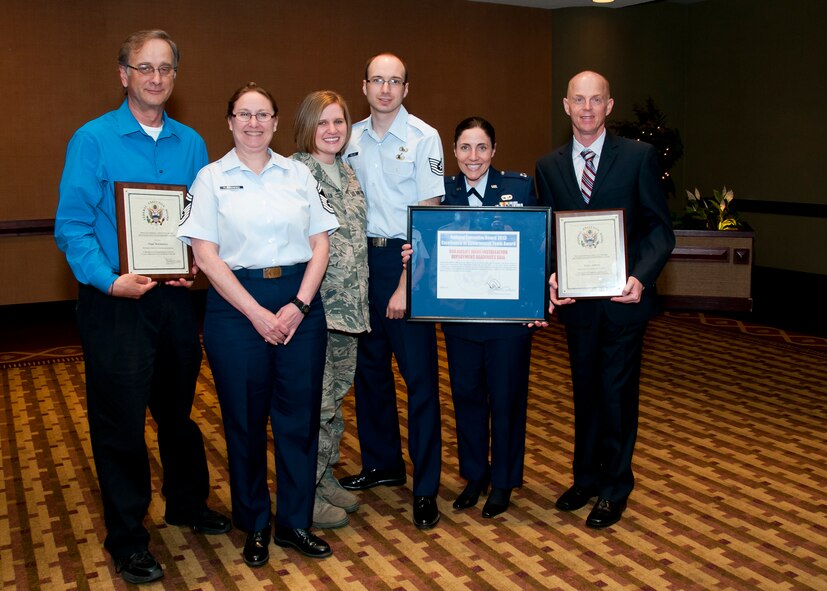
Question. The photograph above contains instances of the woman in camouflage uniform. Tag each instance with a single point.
(322, 131)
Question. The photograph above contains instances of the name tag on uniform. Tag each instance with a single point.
(231, 187)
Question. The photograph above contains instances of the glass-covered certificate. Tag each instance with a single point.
(478, 264)
(148, 216)
(591, 253)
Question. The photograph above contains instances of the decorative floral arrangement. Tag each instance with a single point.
(710, 213)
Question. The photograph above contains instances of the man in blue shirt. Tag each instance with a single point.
(140, 337)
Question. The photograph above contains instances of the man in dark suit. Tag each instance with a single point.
(597, 170)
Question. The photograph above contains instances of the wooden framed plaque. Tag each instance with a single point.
(591, 253)
(148, 216)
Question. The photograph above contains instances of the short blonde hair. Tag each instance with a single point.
(309, 114)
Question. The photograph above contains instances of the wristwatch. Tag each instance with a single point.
(305, 308)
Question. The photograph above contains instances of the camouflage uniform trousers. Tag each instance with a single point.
(339, 369)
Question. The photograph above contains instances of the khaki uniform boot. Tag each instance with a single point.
(331, 491)
(327, 516)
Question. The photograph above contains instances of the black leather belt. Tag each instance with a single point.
(385, 242)
(270, 272)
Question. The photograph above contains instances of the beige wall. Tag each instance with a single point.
(58, 70)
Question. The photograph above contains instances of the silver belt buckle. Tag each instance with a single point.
(271, 272)
(380, 242)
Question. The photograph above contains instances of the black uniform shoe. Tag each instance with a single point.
(471, 494)
(374, 477)
(139, 567)
(205, 521)
(573, 499)
(255, 548)
(303, 541)
(605, 513)
(425, 512)
(498, 502)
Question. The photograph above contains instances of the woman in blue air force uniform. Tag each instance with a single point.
(259, 230)
(487, 363)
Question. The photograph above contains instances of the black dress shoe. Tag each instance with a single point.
(471, 494)
(374, 477)
(573, 499)
(425, 512)
(302, 540)
(139, 567)
(204, 521)
(605, 513)
(498, 502)
(256, 552)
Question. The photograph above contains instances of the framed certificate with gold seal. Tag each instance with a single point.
(591, 253)
(148, 216)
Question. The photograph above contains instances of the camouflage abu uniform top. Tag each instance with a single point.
(344, 288)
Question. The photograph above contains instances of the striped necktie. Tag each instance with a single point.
(587, 181)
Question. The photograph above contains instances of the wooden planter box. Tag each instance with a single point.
(709, 271)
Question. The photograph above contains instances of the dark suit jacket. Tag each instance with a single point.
(628, 177)
(506, 189)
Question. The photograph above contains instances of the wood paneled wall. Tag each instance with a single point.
(58, 70)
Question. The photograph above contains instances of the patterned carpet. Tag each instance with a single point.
(746, 327)
(730, 465)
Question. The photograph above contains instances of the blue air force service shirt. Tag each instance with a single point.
(257, 220)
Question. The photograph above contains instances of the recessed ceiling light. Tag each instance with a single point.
(603, 1)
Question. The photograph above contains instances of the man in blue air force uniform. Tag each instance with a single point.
(398, 160)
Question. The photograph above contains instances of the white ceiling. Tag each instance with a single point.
(551, 4)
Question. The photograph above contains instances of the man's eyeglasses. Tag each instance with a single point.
(379, 81)
(147, 70)
(261, 116)
(581, 100)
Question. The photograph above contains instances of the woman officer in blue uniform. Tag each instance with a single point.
(259, 230)
(487, 363)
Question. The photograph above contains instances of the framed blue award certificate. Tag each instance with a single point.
(478, 264)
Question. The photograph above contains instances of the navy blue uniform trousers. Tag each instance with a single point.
(489, 387)
(257, 381)
(414, 346)
(142, 353)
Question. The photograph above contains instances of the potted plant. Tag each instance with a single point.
(710, 213)
(711, 265)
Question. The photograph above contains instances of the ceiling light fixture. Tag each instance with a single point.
(603, 1)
